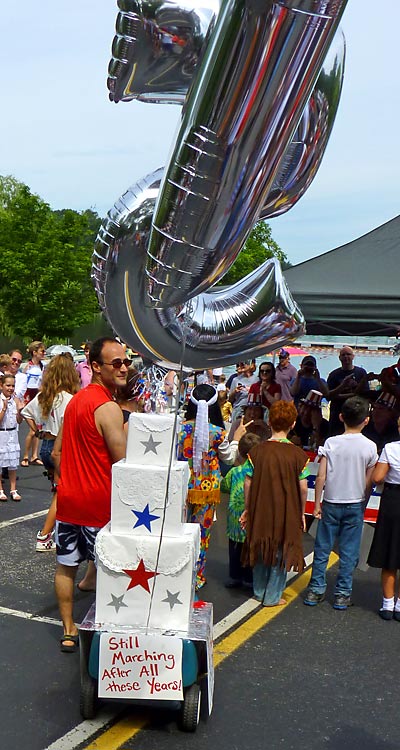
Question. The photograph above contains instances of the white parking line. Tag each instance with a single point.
(84, 731)
(21, 519)
(240, 613)
(28, 616)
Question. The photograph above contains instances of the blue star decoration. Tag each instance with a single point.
(116, 602)
(150, 445)
(172, 599)
(144, 518)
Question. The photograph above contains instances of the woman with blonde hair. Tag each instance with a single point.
(44, 415)
(34, 372)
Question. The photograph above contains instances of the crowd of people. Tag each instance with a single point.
(250, 435)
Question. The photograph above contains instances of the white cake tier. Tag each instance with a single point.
(140, 582)
(141, 496)
(151, 439)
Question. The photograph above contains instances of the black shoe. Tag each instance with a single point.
(386, 614)
(342, 601)
(232, 583)
(312, 599)
(396, 615)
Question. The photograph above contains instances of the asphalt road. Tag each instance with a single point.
(309, 678)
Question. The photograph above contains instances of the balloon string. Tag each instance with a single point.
(172, 455)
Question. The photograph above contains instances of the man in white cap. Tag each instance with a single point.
(347, 380)
(285, 374)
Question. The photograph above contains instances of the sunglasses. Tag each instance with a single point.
(117, 363)
(17, 361)
(265, 372)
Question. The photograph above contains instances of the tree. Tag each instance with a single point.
(45, 286)
(259, 246)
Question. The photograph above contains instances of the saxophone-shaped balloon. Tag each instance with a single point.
(253, 316)
(146, 68)
(258, 71)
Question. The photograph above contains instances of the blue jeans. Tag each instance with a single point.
(343, 521)
(45, 454)
(269, 581)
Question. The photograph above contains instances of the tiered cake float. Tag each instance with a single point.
(146, 637)
(146, 556)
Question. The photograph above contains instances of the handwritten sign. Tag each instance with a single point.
(140, 666)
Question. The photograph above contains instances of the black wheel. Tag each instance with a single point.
(191, 708)
(88, 694)
(88, 697)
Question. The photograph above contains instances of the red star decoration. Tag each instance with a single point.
(140, 577)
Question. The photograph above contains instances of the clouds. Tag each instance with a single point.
(60, 134)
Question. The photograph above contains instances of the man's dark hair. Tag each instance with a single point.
(354, 410)
(96, 348)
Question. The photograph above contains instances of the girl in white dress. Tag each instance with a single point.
(10, 418)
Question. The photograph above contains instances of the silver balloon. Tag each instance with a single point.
(157, 47)
(143, 68)
(250, 318)
(251, 88)
(303, 156)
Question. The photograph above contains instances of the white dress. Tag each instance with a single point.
(9, 444)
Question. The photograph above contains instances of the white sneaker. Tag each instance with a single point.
(45, 543)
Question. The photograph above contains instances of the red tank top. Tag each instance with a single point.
(84, 489)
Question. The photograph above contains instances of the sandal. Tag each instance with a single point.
(25, 462)
(69, 649)
(36, 462)
(3, 496)
(15, 496)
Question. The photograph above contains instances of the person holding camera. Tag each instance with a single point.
(347, 380)
(239, 390)
(308, 379)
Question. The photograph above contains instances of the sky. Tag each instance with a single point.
(60, 134)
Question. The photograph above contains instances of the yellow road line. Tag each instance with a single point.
(127, 728)
(121, 732)
(240, 635)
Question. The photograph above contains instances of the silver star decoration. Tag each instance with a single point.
(172, 599)
(150, 445)
(116, 601)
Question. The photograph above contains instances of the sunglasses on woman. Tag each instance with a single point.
(265, 372)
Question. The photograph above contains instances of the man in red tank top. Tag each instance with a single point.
(91, 439)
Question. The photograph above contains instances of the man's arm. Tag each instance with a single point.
(319, 486)
(295, 387)
(338, 391)
(110, 424)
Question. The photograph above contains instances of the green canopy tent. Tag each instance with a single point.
(354, 289)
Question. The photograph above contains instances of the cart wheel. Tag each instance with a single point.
(191, 708)
(88, 697)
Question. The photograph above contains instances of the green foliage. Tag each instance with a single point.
(259, 246)
(45, 286)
